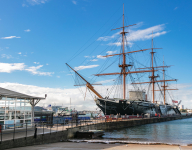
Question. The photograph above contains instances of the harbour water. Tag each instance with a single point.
(177, 132)
(171, 132)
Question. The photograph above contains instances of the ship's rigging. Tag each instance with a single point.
(127, 69)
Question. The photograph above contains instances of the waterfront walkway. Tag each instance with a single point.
(12, 134)
(96, 146)
(43, 134)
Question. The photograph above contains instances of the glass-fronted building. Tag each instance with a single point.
(16, 108)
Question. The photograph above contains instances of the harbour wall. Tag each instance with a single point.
(62, 136)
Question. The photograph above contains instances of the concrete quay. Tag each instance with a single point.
(96, 146)
(69, 133)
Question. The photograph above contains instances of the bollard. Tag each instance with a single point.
(26, 132)
(1, 132)
(43, 128)
(68, 124)
(50, 128)
(14, 133)
(57, 126)
(35, 134)
(63, 125)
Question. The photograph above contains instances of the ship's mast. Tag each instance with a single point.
(164, 80)
(165, 86)
(153, 81)
(124, 60)
(153, 72)
(123, 54)
(124, 66)
(87, 83)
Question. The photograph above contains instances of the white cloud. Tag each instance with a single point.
(87, 56)
(74, 2)
(19, 53)
(111, 52)
(36, 2)
(28, 30)
(146, 34)
(58, 76)
(107, 38)
(62, 96)
(138, 35)
(100, 56)
(7, 47)
(6, 56)
(47, 64)
(85, 67)
(105, 81)
(94, 60)
(34, 70)
(119, 44)
(9, 67)
(116, 43)
(36, 62)
(56, 96)
(10, 37)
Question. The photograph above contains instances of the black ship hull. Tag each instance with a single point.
(134, 107)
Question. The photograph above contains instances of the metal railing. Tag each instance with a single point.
(20, 130)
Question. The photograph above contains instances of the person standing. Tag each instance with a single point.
(142, 115)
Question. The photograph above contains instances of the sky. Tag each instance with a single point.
(37, 38)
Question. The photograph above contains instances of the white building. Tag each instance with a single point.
(16, 108)
(181, 106)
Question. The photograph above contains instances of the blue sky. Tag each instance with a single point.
(37, 38)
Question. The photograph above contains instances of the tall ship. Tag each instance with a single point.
(135, 101)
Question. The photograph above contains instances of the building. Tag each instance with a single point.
(181, 106)
(16, 108)
(39, 108)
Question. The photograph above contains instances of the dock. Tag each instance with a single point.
(42, 133)
(92, 134)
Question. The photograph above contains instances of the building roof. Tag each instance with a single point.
(13, 94)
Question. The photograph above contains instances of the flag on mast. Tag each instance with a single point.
(174, 101)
